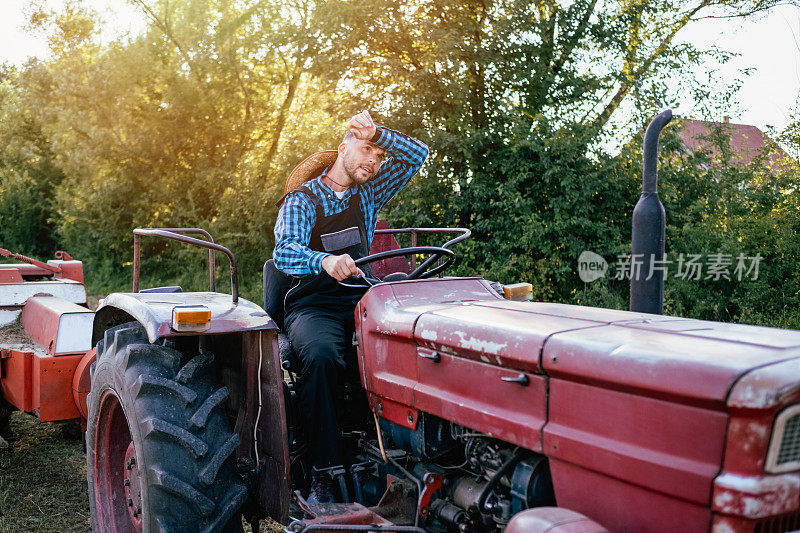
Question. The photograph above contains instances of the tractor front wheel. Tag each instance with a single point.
(159, 445)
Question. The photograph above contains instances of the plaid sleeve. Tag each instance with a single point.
(406, 156)
(292, 234)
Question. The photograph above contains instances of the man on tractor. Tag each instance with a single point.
(325, 224)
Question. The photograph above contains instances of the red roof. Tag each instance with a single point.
(747, 142)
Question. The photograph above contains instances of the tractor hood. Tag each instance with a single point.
(692, 361)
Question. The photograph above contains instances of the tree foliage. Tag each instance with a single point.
(29, 173)
(197, 120)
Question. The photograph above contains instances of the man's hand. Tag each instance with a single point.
(362, 126)
(341, 267)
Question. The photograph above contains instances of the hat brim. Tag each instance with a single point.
(311, 167)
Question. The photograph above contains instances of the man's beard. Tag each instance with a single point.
(351, 169)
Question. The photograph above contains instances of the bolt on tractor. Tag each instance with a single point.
(472, 411)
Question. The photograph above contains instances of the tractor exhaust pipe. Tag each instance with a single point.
(647, 235)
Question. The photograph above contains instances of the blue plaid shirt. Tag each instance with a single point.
(297, 216)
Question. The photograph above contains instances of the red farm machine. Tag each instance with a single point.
(481, 413)
(45, 339)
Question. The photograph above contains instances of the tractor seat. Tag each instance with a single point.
(276, 284)
(393, 268)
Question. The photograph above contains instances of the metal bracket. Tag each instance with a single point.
(433, 482)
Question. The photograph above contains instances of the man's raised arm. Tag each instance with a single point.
(406, 156)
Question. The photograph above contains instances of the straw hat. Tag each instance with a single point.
(311, 167)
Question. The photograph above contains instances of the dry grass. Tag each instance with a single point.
(43, 481)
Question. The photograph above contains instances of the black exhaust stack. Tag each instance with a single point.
(649, 220)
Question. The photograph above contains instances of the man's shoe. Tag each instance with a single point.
(322, 489)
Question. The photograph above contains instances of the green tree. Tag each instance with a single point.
(516, 100)
(197, 121)
(718, 209)
(29, 173)
(193, 123)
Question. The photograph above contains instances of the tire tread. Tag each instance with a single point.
(209, 472)
(199, 419)
(183, 490)
(156, 426)
(148, 385)
(194, 365)
(235, 500)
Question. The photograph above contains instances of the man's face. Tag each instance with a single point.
(362, 160)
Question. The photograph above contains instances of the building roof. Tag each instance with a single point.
(747, 142)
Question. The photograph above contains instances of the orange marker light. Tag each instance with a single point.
(191, 318)
(521, 292)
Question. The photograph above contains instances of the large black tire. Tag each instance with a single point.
(184, 476)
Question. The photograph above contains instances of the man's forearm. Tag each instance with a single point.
(298, 260)
(402, 147)
(407, 156)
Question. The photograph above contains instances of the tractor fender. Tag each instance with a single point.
(552, 520)
(154, 312)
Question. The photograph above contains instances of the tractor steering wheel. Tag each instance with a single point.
(421, 272)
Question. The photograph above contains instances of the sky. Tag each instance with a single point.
(769, 44)
(17, 43)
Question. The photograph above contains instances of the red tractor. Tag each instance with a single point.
(481, 413)
(484, 415)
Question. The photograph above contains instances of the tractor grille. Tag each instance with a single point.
(789, 452)
(779, 524)
(784, 449)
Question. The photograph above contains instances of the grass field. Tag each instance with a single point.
(43, 481)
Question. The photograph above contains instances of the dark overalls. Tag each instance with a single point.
(320, 324)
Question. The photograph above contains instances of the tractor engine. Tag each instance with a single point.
(470, 480)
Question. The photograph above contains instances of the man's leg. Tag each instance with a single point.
(322, 341)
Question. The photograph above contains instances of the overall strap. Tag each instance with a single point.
(305, 190)
(357, 203)
(358, 198)
(314, 200)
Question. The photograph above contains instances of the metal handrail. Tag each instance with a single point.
(413, 231)
(174, 234)
(465, 233)
(212, 284)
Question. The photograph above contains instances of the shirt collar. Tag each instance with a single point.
(327, 191)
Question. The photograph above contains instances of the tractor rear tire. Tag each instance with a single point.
(159, 444)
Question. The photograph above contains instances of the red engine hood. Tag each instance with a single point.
(693, 361)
